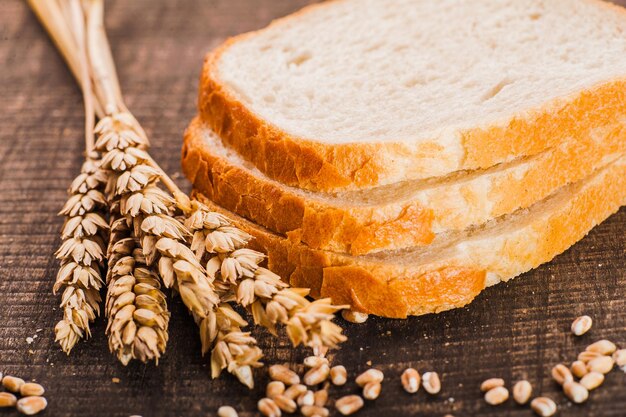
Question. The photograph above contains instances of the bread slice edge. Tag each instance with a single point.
(451, 278)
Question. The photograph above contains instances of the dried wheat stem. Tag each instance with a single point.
(82, 253)
(52, 16)
(78, 25)
(101, 74)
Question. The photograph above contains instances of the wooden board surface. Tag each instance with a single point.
(515, 330)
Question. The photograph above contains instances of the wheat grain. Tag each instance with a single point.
(12, 383)
(31, 405)
(522, 390)
(7, 400)
(32, 389)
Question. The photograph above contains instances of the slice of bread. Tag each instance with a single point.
(397, 216)
(424, 280)
(354, 94)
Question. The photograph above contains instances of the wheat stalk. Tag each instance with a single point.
(150, 246)
(84, 231)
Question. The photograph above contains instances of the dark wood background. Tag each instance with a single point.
(515, 330)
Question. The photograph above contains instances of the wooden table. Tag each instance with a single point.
(515, 330)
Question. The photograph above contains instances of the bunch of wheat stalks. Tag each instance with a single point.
(125, 214)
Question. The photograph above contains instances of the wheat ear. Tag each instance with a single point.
(136, 306)
(270, 299)
(84, 234)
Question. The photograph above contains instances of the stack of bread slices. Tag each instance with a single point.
(401, 155)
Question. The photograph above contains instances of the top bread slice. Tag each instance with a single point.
(432, 279)
(354, 94)
(407, 214)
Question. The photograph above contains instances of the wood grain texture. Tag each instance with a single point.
(514, 330)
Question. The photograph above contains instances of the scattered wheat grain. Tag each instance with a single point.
(316, 375)
(592, 380)
(349, 404)
(274, 388)
(579, 369)
(491, 383)
(295, 391)
(561, 374)
(268, 408)
(581, 325)
(320, 397)
(227, 411)
(31, 405)
(431, 382)
(12, 383)
(7, 400)
(522, 392)
(575, 392)
(619, 356)
(338, 375)
(604, 347)
(371, 375)
(308, 398)
(314, 410)
(315, 361)
(371, 390)
(285, 403)
(32, 389)
(354, 316)
(496, 395)
(543, 406)
(410, 380)
(284, 374)
(602, 364)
